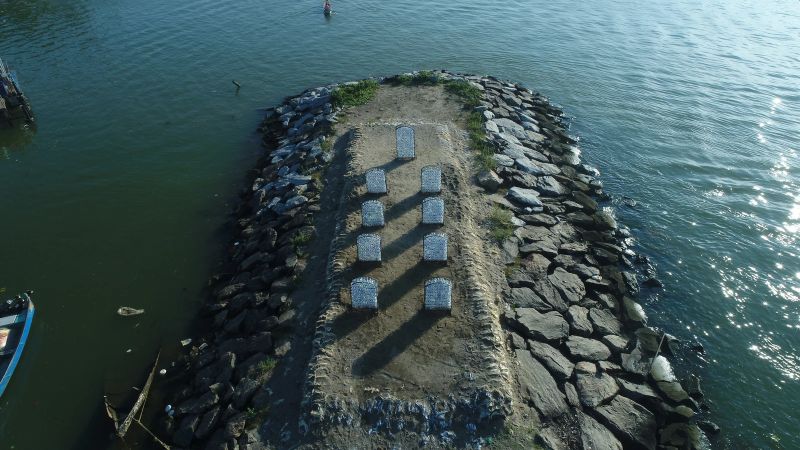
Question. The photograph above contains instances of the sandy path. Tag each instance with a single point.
(403, 350)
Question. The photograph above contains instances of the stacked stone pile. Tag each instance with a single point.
(582, 344)
(251, 311)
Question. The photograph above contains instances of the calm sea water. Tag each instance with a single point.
(691, 109)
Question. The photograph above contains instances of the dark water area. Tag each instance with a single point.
(121, 195)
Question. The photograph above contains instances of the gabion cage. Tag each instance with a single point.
(376, 181)
(434, 247)
(438, 293)
(364, 293)
(372, 214)
(433, 211)
(369, 248)
(431, 180)
(405, 143)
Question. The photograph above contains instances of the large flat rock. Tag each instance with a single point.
(587, 349)
(568, 284)
(539, 388)
(559, 366)
(594, 389)
(604, 321)
(595, 436)
(630, 421)
(549, 326)
(524, 297)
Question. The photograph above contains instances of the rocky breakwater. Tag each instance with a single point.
(587, 360)
(251, 315)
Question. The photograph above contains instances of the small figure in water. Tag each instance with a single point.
(326, 8)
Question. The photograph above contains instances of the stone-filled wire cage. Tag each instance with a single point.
(433, 211)
(372, 214)
(364, 293)
(431, 180)
(434, 247)
(438, 294)
(376, 181)
(405, 143)
(369, 248)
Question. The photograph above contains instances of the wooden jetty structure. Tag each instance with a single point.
(14, 105)
(135, 413)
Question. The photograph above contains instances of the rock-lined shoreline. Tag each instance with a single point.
(581, 347)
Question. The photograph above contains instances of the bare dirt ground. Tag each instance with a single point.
(403, 350)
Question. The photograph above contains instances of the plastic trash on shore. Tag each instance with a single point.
(662, 370)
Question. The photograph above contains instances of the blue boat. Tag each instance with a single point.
(16, 316)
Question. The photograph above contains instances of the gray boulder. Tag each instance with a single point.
(526, 165)
(572, 395)
(532, 324)
(639, 392)
(509, 250)
(207, 423)
(630, 421)
(605, 322)
(527, 197)
(595, 436)
(524, 297)
(605, 221)
(243, 392)
(635, 363)
(503, 160)
(539, 388)
(579, 320)
(673, 390)
(587, 349)
(597, 388)
(185, 433)
(568, 284)
(199, 404)
(588, 204)
(615, 343)
(548, 439)
(515, 151)
(548, 186)
(539, 219)
(559, 366)
(489, 180)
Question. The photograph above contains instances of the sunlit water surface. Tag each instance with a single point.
(690, 109)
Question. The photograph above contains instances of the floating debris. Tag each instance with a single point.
(126, 311)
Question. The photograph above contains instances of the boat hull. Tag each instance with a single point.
(20, 327)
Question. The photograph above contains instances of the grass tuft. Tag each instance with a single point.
(479, 143)
(500, 225)
(301, 239)
(354, 94)
(466, 91)
(513, 438)
(326, 145)
(253, 416)
(265, 366)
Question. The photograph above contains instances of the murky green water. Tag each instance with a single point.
(120, 196)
